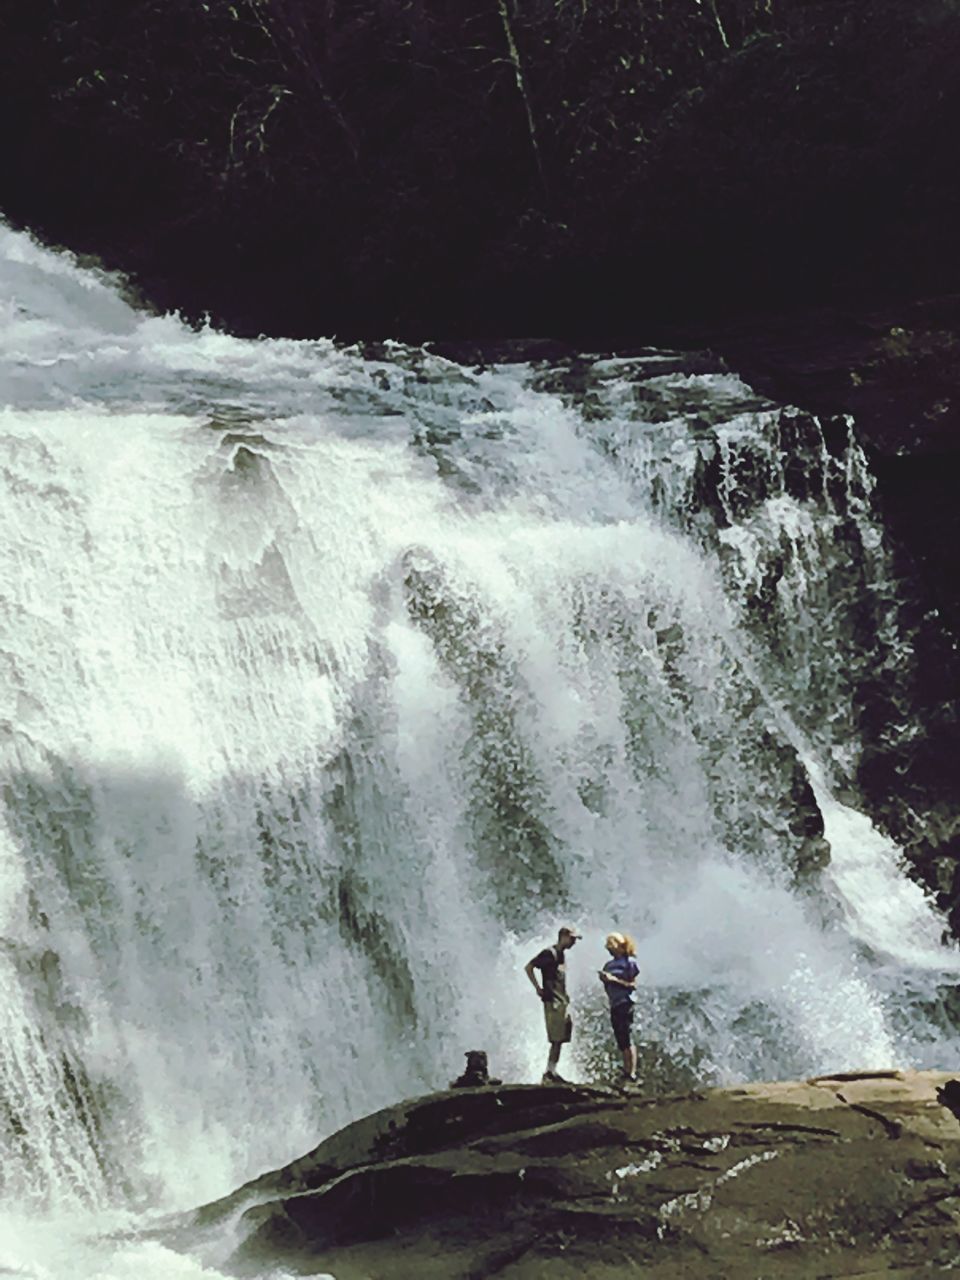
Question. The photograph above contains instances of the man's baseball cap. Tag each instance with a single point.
(570, 931)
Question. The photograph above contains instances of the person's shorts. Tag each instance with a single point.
(556, 1014)
(621, 1016)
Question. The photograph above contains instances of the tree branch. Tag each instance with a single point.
(522, 90)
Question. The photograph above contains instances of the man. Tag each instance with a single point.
(552, 990)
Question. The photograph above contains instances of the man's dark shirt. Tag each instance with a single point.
(553, 970)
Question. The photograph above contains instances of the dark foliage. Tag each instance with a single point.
(407, 167)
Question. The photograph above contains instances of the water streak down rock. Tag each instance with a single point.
(849, 1174)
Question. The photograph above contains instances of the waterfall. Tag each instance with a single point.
(333, 679)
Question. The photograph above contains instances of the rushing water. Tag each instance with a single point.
(333, 680)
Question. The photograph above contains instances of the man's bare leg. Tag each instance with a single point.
(553, 1059)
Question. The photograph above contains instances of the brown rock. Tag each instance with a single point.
(854, 1174)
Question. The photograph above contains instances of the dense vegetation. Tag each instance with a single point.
(441, 166)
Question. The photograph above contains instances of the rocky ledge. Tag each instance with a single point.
(849, 1175)
(896, 370)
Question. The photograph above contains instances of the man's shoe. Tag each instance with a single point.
(553, 1077)
(628, 1078)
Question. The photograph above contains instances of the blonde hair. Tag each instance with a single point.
(623, 942)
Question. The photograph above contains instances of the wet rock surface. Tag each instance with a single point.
(847, 1175)
(895, 369)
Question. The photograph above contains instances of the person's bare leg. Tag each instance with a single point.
(630, 1060)
(554, 1058)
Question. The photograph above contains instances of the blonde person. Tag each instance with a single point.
(619, 977)
(552, 990)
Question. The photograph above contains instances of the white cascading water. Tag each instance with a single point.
(331, 681)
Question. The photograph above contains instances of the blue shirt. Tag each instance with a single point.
(624, 967)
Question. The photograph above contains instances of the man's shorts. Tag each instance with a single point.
(621, 1015)
(556, 1014)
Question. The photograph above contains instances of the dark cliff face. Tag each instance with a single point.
(896, 370)
(427, 169)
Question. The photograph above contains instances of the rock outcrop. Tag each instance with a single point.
(896, 370)
(854, 1174)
